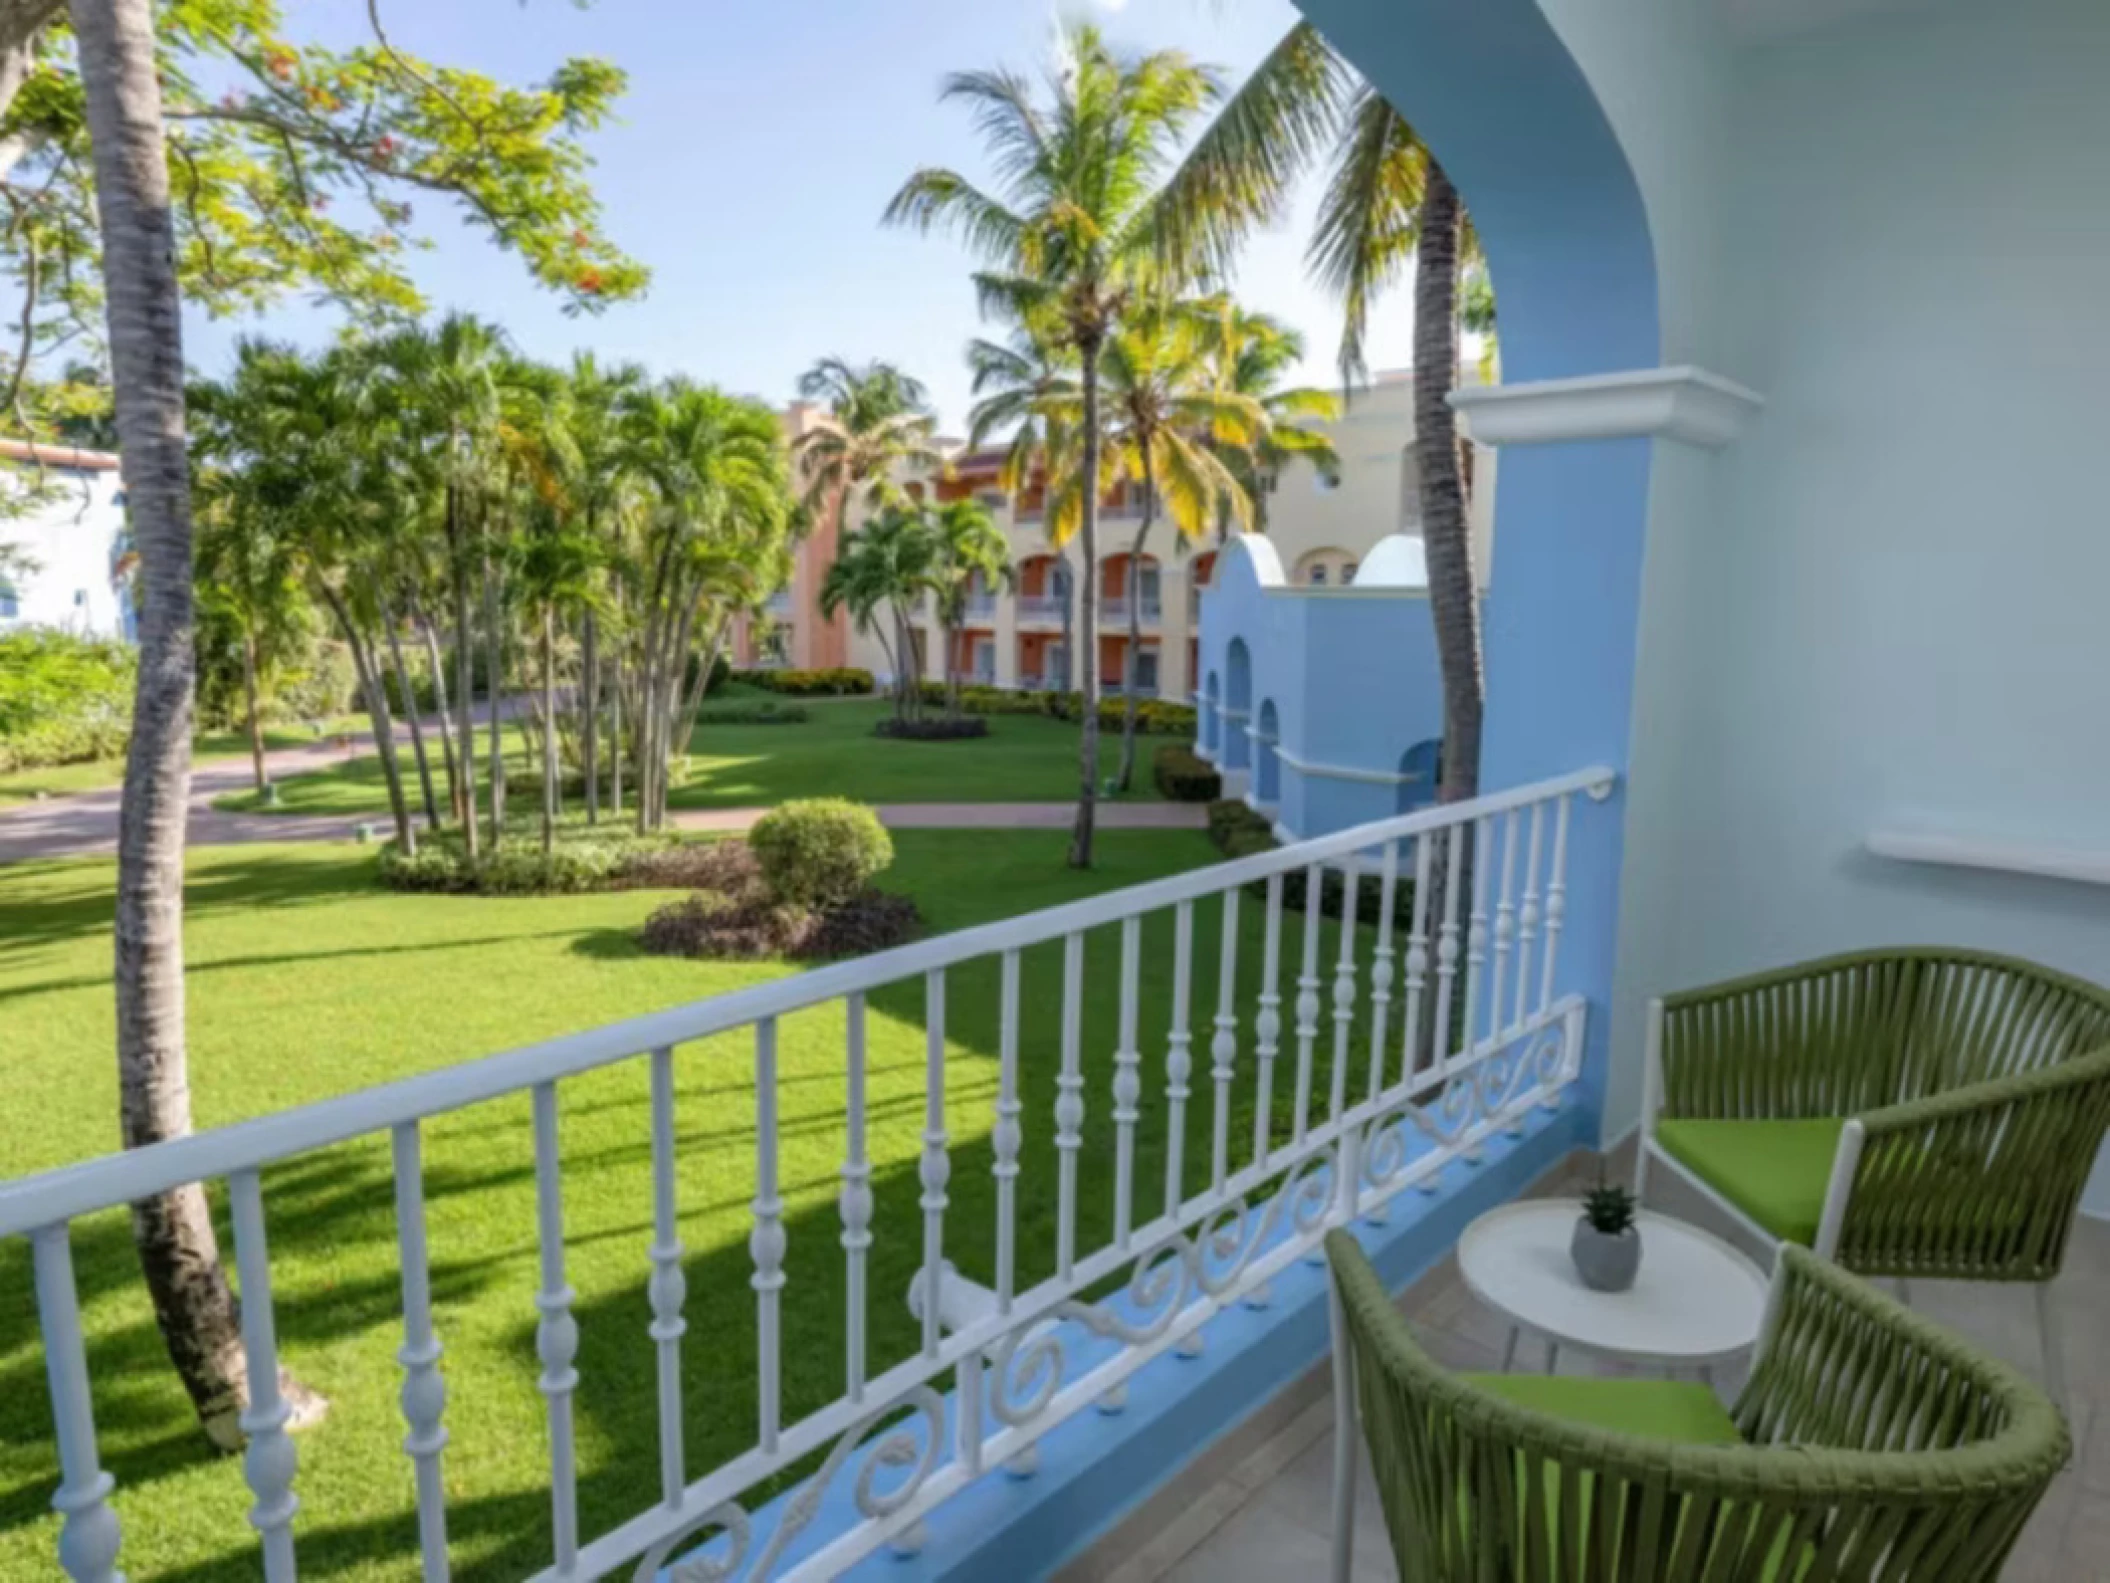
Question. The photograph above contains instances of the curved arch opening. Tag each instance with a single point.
(1267, 769)
(1238, 706)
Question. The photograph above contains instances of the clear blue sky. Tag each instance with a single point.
(756, 148)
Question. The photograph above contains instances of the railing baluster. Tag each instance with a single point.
(556, 1333)
(88, 1536)
(1381, 968)
(1556, 902)
(1006, 1137)
(1505, 925)
(1343, 995)
(668, 1288)
(1528, 916)
(1223, 1047)
(855, 1203)
(1069, 1103)
(424, 1387)
(1308, 1000)
(1476, 933)
(765, 1244)
(1128, 1085)
(1178, 1061)
(1267, 1023)
(1417, 963)
(1447, 944)
(270, 1462)
(936, 1169)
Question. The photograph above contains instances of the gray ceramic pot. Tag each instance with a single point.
(1606, 1264)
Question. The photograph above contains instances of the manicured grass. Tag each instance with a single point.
(1025, 758)
(305, 981)
(60, 780)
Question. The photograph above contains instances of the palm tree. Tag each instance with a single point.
(606, 477)
(880, 570)
(968, 551)
(878, 426)
(1387, 203)
(1251, 352)
(1166, 419)
(1074, 232)
(178, 1252)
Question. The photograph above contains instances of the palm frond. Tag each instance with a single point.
(1366, 227)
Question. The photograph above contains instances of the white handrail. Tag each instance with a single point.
(1481, 1062)
(75, 1190)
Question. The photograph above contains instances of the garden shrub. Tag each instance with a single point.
(63, 699)
(322, 687)
(819, 851)
(734, 915)
(944, 728)
(837, 681)
(1184, 776)
(721, 673)
(767, 712)
(586, 858)
(1154, 716)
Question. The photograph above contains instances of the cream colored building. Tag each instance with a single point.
(1016, 637)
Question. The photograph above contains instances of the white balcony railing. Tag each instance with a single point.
(1375, 1103)
(1113, 608)
(1039, 607)
(981, 607)
(778, 603)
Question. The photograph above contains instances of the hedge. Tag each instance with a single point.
(1184, 776)
(942, 728)
(767, 712)
(63, 699)
(1154, 716)
(841, 681)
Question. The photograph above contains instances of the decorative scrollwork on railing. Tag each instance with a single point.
(897, 1446)
(1026, 1372)
(1476, 1097)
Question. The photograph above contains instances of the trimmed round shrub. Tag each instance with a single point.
(1184, 776)
(948, 728)
(820, 851)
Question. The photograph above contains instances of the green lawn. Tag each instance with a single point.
(60, 780)
(833, 753)
(306, 981)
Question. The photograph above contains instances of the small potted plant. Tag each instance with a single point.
(1607, 1243)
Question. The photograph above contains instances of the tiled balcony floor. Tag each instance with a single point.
(1255, 1507)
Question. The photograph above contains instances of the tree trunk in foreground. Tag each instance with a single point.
(256, 726)
(1088, 734)
(1454, 604)
(178, 1252)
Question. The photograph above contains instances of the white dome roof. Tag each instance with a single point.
(1394, 561)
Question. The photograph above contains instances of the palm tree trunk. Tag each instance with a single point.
(494, 703)
(178, 1252)
(408, 694)
(464, 671)
(1069, 634)
(439, 705)
(1453, 600)
(590, 716)
(549, 729)
(702, 684)
(256, 726)
(615, 743)
(376, 712)
(1133, 660)
(1088, 532)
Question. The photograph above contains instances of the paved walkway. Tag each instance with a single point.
(85, 824)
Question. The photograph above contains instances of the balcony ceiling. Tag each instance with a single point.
(1772, 19)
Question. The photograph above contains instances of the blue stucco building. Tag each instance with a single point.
(1322, 706)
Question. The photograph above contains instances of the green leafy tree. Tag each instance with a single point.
(1075, 229)
(292, 166)
(1387, 204)
(968, 555)
(880, 571)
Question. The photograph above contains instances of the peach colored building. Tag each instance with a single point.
(1016, 637)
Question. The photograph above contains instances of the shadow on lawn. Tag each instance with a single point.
(333, 1232)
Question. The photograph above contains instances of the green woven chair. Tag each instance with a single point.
(1914, 1112)
(1870, 1444)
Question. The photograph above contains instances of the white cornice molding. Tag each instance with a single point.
(1683, 403)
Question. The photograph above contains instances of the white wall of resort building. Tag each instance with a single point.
(64, 526)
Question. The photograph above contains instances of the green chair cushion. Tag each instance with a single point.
(1661, 1409)
(1774, 1171)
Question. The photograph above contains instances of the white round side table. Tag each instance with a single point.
(1696, 1302)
